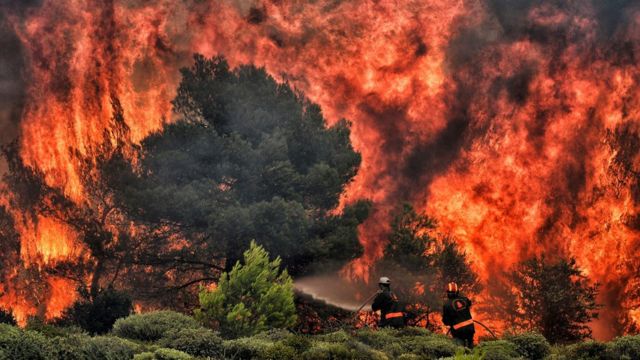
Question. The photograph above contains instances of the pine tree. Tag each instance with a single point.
(554, 298)
(253, 297)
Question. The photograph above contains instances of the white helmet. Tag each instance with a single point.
(384, 281)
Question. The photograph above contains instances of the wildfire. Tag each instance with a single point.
(497, 121)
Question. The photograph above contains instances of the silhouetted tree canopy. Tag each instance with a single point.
(554, 298)
(250, 159)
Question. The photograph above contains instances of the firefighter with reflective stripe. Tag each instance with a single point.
(391, 312)
(457, 315)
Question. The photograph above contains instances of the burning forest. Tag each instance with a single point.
(148, 144)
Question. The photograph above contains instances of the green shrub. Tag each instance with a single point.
(109, 348)
(497, 350)
(409, 357)
(280, 351)
(49, 330)
(144, 356)
(18, 344)
(626, 347)
(350, 350)
(339, 336)
(171, 354)
(246, 348)
(432, 347)
(380, 339)
(532, 346)
(69, 347)
(589, 350)
(152, 326)
(412, 331)
(253, 297)
(195, 342)
(97, 314)
(300, 343)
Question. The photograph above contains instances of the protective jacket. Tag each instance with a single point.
(391, 312)
(456, 313)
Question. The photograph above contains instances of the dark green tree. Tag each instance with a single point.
(251, 159)
(97, 314)
(554, 298)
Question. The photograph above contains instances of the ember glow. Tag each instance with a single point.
(515, 124)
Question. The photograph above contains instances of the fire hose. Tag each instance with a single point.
(484, 326)
(378, 292)
(363, 305)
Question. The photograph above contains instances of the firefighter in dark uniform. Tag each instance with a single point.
(457, 315)
(391, 312)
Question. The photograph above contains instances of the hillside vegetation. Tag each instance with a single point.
(166, 335)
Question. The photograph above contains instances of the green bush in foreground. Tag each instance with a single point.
(626, 347)
(109, 347)
(152, 326)
(195, 342)
(497, 350)
(171, 354)
(532, 346)
(18, 344)
(253, 297)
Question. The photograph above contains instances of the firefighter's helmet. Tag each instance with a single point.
(384, 281)
(452, 288)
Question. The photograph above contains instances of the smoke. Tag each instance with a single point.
(12, 84)
(335, 290)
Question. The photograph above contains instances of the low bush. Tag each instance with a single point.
(246, 348)
(380, 339)
(152, 326)
(532, 346)
(339, 336)
(147, 355)
(350, 350)
(18, 344)
(195, 342)
(98, 314)
(109, 347)
(432, 347)
(69, 347)
(626, 347)
(171, 354)
(589, 350)
(497, 350)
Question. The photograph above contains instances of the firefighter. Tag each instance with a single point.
(391, 312)
(457, 315)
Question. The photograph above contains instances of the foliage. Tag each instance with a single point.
(6, 317)
(626, 347)
(589, 350)
(348, 350)
(250, 160)
(246, 348)
(171, 354)
(152, 326)
(18, 344)
(253, 297)
(109, 347)
(195, 342)
(532, 346)
(553, 298)
(497, 350)
(98, 314)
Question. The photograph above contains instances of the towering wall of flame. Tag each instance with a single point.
(514, 123)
